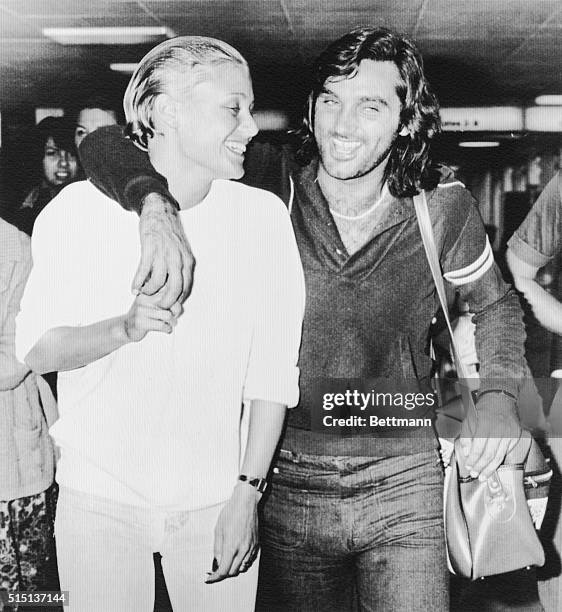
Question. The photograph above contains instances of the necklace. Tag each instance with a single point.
(335, 213)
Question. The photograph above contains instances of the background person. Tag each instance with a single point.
(93, 113)
(150, 427)
(534, 244)
(27, 494)
(51, 163)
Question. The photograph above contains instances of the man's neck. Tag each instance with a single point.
(352, 196)
(186, 182)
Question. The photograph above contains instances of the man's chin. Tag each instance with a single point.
(341, 169)
(341, 172)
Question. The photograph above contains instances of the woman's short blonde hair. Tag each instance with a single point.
(163, 69)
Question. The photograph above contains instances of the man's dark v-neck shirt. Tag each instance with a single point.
(367, 315)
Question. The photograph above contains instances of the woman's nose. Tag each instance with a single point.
(64, 158)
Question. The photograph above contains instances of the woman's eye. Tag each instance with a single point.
(234, 109)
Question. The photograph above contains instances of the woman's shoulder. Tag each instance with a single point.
(15, 244)
(251, 201)
(78, 204)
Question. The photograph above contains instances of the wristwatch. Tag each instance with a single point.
(260, 484)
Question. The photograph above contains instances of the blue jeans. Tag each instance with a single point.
(354, 533)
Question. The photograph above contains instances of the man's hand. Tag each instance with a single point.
(236, 534)
(167, 262)
(486, 442)
(146, 315)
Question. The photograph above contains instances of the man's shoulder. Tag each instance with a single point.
(549, 201)
(539, 238)
(450, 195)
(448, 183)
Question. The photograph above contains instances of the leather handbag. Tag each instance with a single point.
(488, 525)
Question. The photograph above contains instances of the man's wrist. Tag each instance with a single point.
(496, 401)
(499, 392)
(158, 204)
(138, 188)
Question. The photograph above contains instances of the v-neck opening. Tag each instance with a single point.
(320, 224)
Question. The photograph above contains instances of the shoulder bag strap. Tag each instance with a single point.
(428, 239)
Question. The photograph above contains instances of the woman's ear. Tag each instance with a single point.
(164, 112)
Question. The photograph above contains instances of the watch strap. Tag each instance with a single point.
(260, 484)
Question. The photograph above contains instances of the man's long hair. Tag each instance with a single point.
(408, 168)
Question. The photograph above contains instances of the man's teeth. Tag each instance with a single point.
(236, 147)
(345, 146)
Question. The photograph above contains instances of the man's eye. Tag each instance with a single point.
(329, 101)
(80, 132)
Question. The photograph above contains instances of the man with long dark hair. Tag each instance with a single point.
(355, 511)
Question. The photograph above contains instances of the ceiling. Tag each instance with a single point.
(477, 52)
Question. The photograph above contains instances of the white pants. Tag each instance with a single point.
(105, 550)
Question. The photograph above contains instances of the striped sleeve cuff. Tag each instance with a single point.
(475, 270)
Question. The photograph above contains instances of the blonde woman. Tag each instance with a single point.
(150, 398)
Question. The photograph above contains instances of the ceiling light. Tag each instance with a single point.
(108, 36)
(126, 68)
(543, 119)
(479, 144)
(549, 100)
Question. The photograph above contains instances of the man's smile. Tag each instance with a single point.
(343, 148)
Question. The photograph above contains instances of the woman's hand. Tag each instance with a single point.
(146, 315)
(236, 534)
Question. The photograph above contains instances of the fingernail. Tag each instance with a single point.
(473, 474)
